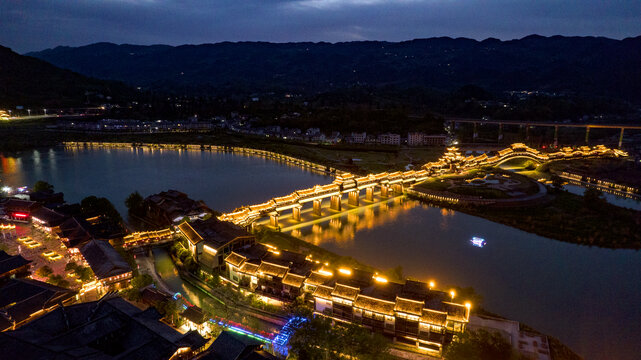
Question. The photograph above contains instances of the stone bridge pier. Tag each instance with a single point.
(273, 219)
(353, 197)
(384, 190)
(335, 202)
(369, 194)
(296, 210)
(318, 203)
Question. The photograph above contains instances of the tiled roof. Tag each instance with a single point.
(272, 269)
(219, 233)
(409, 306)
(323, 292)
(434, 317)
(346, 292)
(194, 314)
(9, 262)
(454, 311)
(293, 280)
(103, 259)
(190, 233)
(234, 259)
(376, 305)
(316, 278)
(249, 268)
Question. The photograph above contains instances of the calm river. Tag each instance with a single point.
(590, 298)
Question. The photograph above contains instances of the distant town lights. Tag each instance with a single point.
(6, 189)
(345, 271)
(380, 279)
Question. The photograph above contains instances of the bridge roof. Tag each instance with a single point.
(286, 198)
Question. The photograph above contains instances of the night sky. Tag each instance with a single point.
(28, 25)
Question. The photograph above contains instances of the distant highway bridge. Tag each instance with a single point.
(555, 125)
(389, 183)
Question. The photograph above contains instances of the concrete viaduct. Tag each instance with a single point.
(556, 126)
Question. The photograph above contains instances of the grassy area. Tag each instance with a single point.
(571, 218)
(456, 184)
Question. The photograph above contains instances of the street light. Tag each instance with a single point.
(432, 284)
(452, 294)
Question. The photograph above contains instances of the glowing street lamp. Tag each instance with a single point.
(452, 294)
(432, 284)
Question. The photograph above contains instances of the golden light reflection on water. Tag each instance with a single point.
(342, 230)
(9, 165)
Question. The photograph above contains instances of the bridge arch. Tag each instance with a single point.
(520, 156)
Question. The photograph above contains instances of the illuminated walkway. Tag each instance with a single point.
(387, 185)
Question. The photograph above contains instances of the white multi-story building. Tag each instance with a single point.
(415, 138)
(359, 138)
(389, 139)
(420, 139)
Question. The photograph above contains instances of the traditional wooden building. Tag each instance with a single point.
(110, 269)
(172, 206)
(47, 220)
(277, 274)
(211, 240)
(408, 312)
(13, 266)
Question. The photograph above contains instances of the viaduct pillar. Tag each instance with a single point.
(621, 138)
(587, 134)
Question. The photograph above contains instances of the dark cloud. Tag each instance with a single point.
(37, 24)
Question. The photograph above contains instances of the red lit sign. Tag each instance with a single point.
(20, 215)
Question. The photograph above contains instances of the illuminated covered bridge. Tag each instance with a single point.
(394, 182)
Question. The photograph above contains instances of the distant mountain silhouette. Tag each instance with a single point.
(30, 82)
(590, 66)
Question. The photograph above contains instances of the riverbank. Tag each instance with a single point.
(353, 158)
(567, 217)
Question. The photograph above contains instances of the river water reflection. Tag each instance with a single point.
(590, 298)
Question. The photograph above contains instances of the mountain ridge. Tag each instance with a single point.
(29, 81)
(594, 66)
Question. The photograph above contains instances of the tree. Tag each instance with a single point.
(480, 345)
(57, 280)
(169, 310)
(41, 185)
(319, 339)
(557, 183)
(134, 203)
(44, 272)
(140, 281)
(94, 206)
(593, 198)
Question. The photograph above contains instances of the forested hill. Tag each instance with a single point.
(590, 66)
(32, 82)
